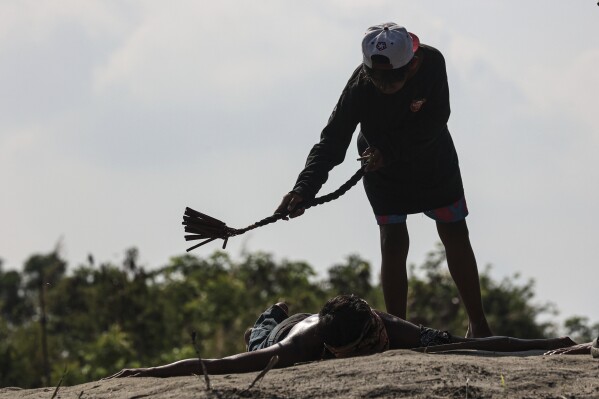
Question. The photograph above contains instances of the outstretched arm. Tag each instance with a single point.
(580, 349)
(290, 351)
(502, 344)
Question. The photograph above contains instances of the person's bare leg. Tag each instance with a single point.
(395, 243)
(504, 344)
(464, 271)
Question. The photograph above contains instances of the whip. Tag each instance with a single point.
(207, 228)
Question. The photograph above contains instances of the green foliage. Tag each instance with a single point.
(20, 356)
(510, 307)
(101, 318)
(14, 307)
(43, 269)
(352, 277)
(111, 349)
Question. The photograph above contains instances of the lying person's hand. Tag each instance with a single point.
(580, 349)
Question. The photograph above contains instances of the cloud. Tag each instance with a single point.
(214, 52)
(570, 89)
(35, 22)
(116, 110)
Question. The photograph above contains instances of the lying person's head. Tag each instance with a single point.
(349, 327)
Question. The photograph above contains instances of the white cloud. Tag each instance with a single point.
(568, 90)
(15, 143)
(193, 50)
(35, 21)
(119, 110)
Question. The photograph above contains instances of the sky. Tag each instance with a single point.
(116, 115)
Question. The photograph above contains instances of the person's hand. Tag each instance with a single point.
(140, 372)
(580, 349)
(288, 204)
(375, 159)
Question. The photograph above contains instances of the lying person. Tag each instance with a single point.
(346, 326)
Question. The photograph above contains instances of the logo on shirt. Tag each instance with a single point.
(380, 46)
(417, 105)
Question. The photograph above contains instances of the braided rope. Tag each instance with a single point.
(224, 232)
(306, 204)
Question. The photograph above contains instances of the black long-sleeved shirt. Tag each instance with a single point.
(409, 127)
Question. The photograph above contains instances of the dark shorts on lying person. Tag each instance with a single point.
(272, 327)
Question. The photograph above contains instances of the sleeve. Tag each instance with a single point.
(334, 141)
(428, 122)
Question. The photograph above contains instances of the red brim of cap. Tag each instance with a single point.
(415, 41)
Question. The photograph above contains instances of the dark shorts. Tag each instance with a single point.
(421, 176)
(272, 327)
(452, 213)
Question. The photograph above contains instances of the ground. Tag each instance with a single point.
(393, 374)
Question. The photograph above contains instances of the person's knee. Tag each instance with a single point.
(395, 242)
(394, 235)
(453, 232)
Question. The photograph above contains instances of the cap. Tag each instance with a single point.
(389, 40)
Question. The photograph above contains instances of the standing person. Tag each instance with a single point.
(399, 96)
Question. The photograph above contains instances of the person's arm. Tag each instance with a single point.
(501, 344)
(334, 141)
(402, 334)
(580, 349)
(289, 351)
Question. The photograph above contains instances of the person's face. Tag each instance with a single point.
(391, 88)
(397, 85)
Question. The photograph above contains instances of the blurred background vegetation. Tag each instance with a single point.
(96, 319)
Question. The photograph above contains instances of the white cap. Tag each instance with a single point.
(392, 41)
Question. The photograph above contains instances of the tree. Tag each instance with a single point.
(15, 308)
(351, 277)
(42, 271)
(103, 317)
